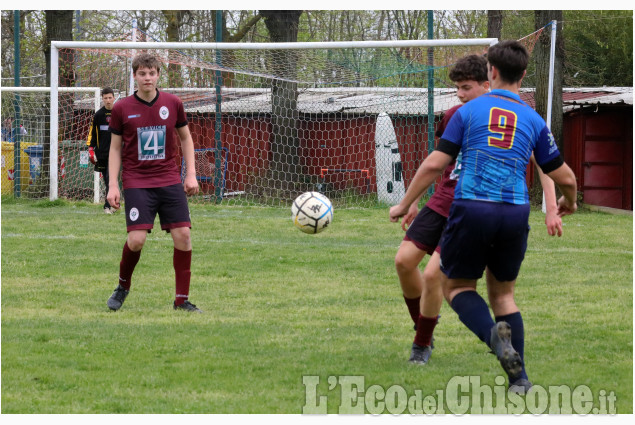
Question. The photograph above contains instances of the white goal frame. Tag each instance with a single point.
(54, 100)
(56, 45)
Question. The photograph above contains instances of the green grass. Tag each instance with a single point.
(278, 305)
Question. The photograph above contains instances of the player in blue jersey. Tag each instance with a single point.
(422, 291)
(496, 135)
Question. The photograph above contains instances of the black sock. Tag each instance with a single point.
(474, 313)
(515, 320)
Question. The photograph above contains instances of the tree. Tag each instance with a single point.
(494, 23)
(284, 167)
(59, 27)
(541, 53)
(599, 48)
(175, 20)
(541, 60)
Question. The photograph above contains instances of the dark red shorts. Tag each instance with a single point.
(142, 206)
(426, 229)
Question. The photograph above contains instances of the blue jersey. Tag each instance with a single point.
(497, 133)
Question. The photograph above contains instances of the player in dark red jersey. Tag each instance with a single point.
(144, 127)
(422, 292)
(99, 140)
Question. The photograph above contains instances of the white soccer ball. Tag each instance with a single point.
(312, 212)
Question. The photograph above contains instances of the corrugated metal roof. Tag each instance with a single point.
(374, 100)
(370, 100)
(572, 98)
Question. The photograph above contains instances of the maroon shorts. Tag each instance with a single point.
(142, 206)
(426, 229)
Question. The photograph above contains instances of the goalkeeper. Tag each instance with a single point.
(99, 140)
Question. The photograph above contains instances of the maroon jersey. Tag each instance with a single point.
(443, 196)
(150, 141)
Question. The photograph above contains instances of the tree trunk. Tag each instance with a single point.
(541, 58)
(174, 20)
(284, 167)
(494, 23)
(59, 27)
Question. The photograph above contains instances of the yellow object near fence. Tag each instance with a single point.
(8, 167)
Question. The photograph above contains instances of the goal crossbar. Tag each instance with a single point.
(274, 46)
(57, 45)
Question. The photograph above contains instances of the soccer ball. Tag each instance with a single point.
(312, 212)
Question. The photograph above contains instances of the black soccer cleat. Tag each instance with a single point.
(420, 355)
(188, 306)
(500, 343)
(520, 386)
(117, 298)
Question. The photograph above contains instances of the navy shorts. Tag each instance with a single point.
(426, 229)
(484, 234)
(142, 206)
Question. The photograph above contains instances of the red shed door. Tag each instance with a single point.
(606, 158)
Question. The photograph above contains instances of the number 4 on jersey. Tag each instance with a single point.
(151, 143)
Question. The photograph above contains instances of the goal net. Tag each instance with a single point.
(269, 121)
(26, 147)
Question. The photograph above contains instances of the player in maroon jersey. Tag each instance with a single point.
(144, 127)
(422, 292)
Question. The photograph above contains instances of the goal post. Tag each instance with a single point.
(352, 120)
(34, 102)
(347, 118)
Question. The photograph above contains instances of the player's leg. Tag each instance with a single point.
(430, 307)
(463, 261)
(507, 254)
(106, 177)
(175, 218)
(141, 210)
(407, 263)
(421, 237)
(501, 296)
(471, 308)
(432, 294)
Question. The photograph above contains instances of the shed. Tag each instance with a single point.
(598, 144)
(336, 131)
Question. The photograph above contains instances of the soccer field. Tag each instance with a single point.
(280, 305)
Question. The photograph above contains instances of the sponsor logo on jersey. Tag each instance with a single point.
(552, 144)
(456, 172)
(151, 142)
(134, 116)
(164, 113)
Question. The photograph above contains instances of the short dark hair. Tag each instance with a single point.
(510, 59)
(472, 67)
(145, 60)
(107, 90)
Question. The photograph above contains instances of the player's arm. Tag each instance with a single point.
(552, 220)
(411, 214)
(427, 173)
(187, 147)
(114, 164)
(565, 179)
(548, 157)
(91, 142)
